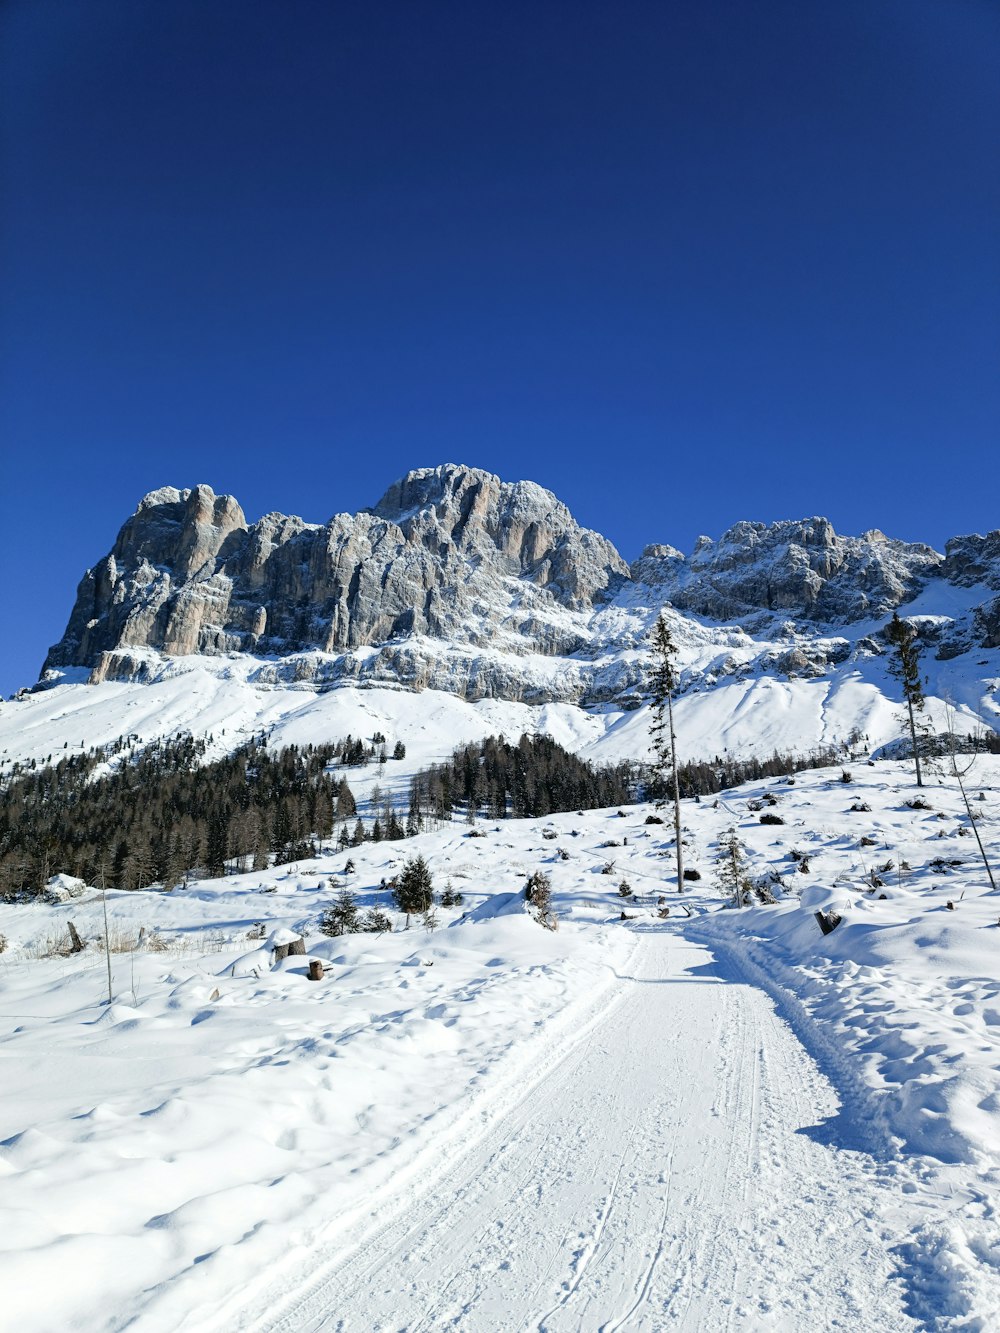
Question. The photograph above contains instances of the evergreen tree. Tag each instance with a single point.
(731, 867)
(341, 918)
(414, 889)
(346, 805)
(905, 666)
(218, 844)
(375, 922)
(663, 683)
(261, 851)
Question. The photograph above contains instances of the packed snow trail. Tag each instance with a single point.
(662, 1176)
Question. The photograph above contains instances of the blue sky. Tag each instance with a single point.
(683, 263)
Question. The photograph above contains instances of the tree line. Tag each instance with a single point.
(534, 777)
(166, 813)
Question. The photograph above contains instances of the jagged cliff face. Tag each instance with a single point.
(451, 553)
(803, 569)
(459, 581)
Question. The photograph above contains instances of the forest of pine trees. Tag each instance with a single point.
(159, 814)
(534, 777)
(165, 813)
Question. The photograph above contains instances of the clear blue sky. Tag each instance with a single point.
(683, 263)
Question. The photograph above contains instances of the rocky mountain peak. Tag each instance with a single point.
(801, 567)
(475, 513)
(456, 576)
(449, 552)
(973, 559)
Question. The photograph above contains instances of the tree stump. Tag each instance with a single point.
(76, 944)
(315, 969)
(828, 921)
(287, 950)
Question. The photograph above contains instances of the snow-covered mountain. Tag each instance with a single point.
(461, 585)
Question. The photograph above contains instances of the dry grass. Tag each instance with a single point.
(52, 946)
(126, 940)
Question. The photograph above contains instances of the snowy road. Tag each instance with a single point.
(672, 1172)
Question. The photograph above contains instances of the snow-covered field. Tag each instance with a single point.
(722, 1120)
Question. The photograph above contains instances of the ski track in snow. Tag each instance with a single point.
(668, 1173)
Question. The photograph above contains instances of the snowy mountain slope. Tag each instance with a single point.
(736, 707)
(696, 1153)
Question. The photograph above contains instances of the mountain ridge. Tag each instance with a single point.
(461, 584)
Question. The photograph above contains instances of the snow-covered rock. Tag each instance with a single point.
(61, 888)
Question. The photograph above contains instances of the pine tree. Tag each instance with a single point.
(218, 844)
(732, 869)
(663, 683)
(906, 668)
(346, 806)
(261, 851)
(375, 922)
(414, 889)
(341, 917)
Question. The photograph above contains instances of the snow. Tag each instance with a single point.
(750, 713)
(727, 1119)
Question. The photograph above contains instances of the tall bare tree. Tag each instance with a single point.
(959, 769)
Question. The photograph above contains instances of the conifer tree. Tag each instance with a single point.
(732, 869)
(341, 917)
(663, 683)
(414, 889)
(375, 922)
(905, 666)
(346, 806)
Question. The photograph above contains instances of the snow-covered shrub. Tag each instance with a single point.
(374, 922)
(341, 917)
(538, 892)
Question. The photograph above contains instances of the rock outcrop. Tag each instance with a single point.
(449, 552)
(459, 581)
(801, 569)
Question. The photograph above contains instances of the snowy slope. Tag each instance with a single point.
(722, 1120)
(746, 711)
